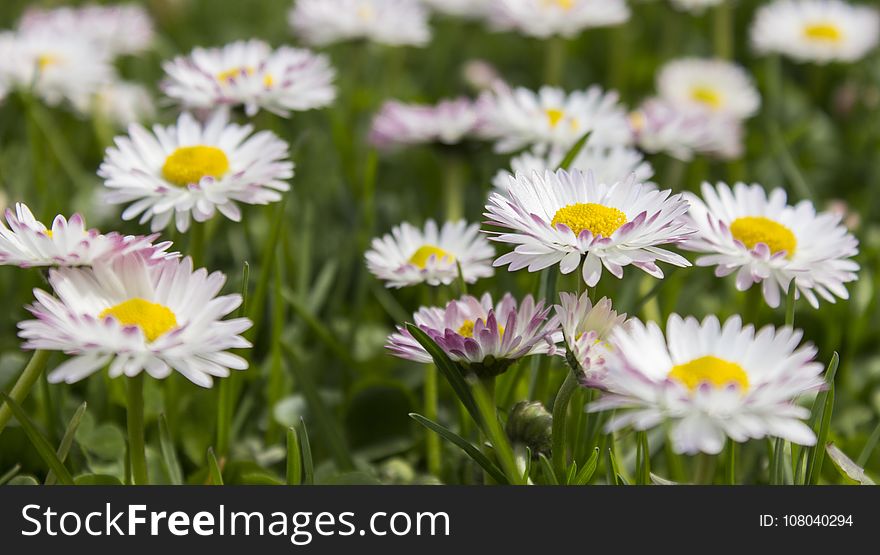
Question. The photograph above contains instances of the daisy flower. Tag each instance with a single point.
(567, 218)
(461, 8)
(485, 338)
(695, 6)
(764, 240)
(819, 31)
(586, 328)
(253, 75)
(392, 22)
(716, 86)
(28, 243)
(552, 118)
(608, 164)
(709, 381)
(138, 317)
(566, 18)
(190, 169)
(123, 103)
(409, 255)
(448, 122)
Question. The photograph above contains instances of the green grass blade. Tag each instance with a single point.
(547, 470)
(294, 458)
(572, 154)
(586, 472)
(38, 441)
(214, 469)
(472, 451)
(10, 474)
(67, 440)
(798, 453)
(817, 454)
(169, 453)
(305, 444)
(496, 435)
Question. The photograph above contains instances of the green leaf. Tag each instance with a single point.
(23, 480)
(817, 454)
(589, 468)
(38, 441)
(660, 481)
(67, 440)
(169, 453)
(214, 469)
(10, 474)
(847, 467)
(547, 470)
(574, 151)
(798, 453)
(308, 465)
(495, 433)
(97, 480)
(294, 458)
(471, 450)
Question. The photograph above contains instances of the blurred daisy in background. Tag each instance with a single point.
(659, 126)
(712, 85)
(483, 337)
(568, 219)
(392, 22)
(409, 255)
(448, 122)
(28, 243)
(461, 8)
(253, 75)
(137, 317)
(766, 241)
(566, 18)
(123, 103)
(696, 6)
(551, 118)
(818, 31)
(586, 328)
(709, 381)
(192, 170)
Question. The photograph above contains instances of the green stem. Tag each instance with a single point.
(488, 385)
(554, 60)
(789, 304)
(723, 35)
(432, 440)
(560, 414)
(541, 365)
(730, 470)
(705, 469)
(196, 245)
(136, 446)
(23, 385)
(453, 189)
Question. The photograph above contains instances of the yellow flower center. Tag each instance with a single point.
(420, 257)
(467, 329)
(46, 60)
(554, 116)
(715, 371)
(708, 96)
(47, 233)
(823, 32)
(189, 164)
(366, 12)
(599, 220)
(153, 319)
(752, 230)
(561, 4)
(234, 72)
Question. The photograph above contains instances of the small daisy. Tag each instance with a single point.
(716, 86)
(392, 22)
(193, 169)
(608, 164)
(567, 218)
(566, 18)
(138, 317)
(587, 327)
(123, 103)
(486, 339)
(709, 381)
(28, 243)
(253, 75)
(448, 122)
(552, 119)
(818, 31)
(409, 255)
(695, 6)
(764, 240)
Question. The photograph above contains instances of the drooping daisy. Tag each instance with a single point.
(190, 169)
(138, 317)
(567, 18)
(608, 164)
(392, 22)
(409, 255)
(253, 75)
(709, 381)
(120, 29)
(587, 327)
(695, 6)
(716, 86)
(567, 218)
(552, 119)
(818, 31)
(461, 8)
(483, 337)
(764, 240)
(123, 103)
(28, 243)
(448, 122)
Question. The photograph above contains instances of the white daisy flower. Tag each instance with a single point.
(409, 255)
(392, 22)
(695, 6)
(123, 103)
(764, 240)
(253, 75)
(818, 31)
(552, 118)
(566, 18)
(587, 328)
(28, 243)
(485, 338)
(56, 68)
(190, 169)
(138, 317)
(709, 381)
(119, 29)
(716, 86)
(566, 218)
(448, 122)
(461, 8)
(608, 164)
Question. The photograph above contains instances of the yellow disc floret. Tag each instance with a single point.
(230, 74)
(189, 164)
(467, 329)
(598, 219)
(153, 319)
(554, 116)
(823, 32)
(425, 252)
(707, 96)
(712, 370)
(561, 4)
(751, 230)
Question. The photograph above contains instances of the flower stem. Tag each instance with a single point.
(23, 385)
(723, 34)
(453, 189)
(136, 447)
(432, 440)
(705, 469)
(730, 470)
(554, 60)
(560, 413)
